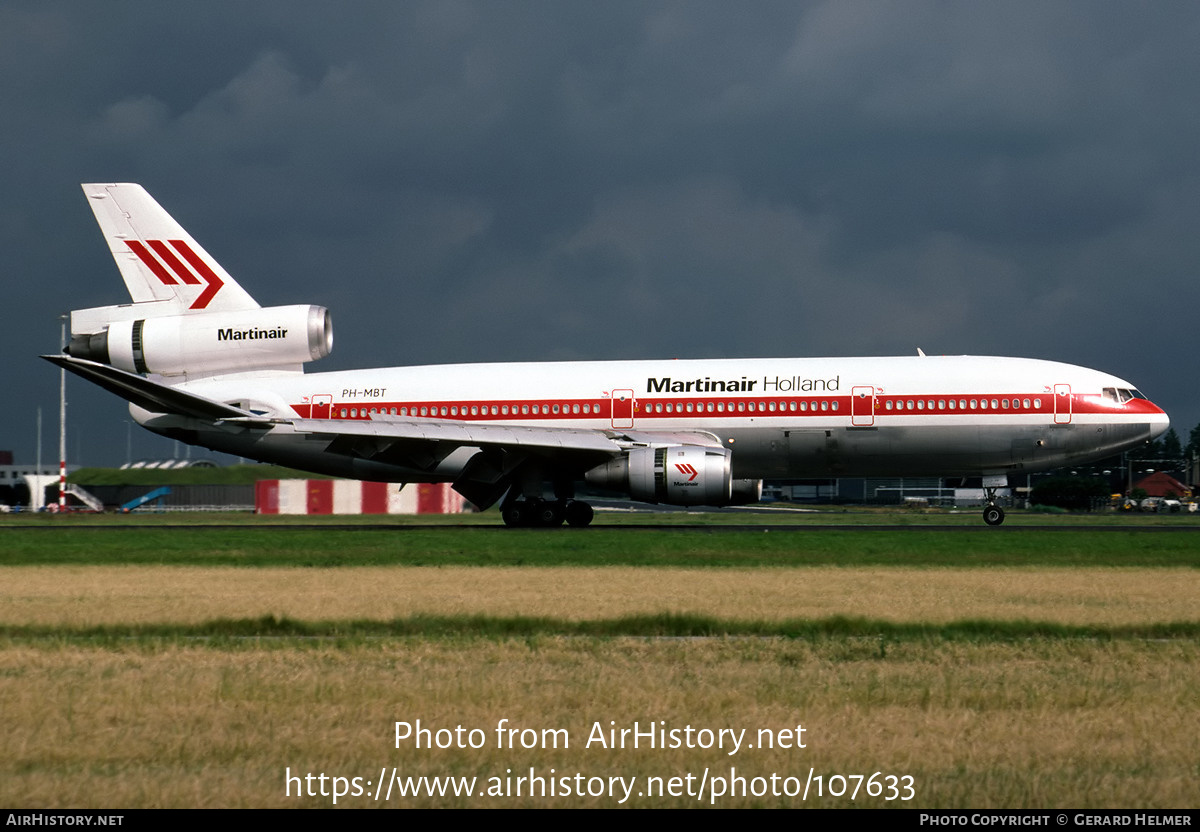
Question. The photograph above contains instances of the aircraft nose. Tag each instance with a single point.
(1159, 422)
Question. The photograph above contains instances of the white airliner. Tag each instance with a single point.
(201, 362)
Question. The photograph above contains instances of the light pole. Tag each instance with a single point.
(62, 420)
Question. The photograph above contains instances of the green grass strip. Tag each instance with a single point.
(321, 547)
(647, 626)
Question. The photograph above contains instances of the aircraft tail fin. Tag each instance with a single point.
(189, 317)
(161, 263)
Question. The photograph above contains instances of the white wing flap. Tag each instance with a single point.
(399, 428)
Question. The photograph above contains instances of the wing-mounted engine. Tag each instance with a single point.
(202, 343)
(680, 475)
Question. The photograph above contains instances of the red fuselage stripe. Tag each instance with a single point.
(727, 407)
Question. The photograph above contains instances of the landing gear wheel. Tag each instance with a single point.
(579, 514)
(993, 515)
(515, 514)
(537, 513)
(546, 513)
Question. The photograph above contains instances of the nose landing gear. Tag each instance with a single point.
(993, 515)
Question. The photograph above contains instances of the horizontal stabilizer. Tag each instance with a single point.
(147, 394)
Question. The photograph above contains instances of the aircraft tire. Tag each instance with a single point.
(547, 513)
(579, 514)
(515, 515)
(993, 515)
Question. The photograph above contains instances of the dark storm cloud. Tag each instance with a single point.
(486, 181)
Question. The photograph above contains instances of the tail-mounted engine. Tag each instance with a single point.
(210, 343)
(679, 475)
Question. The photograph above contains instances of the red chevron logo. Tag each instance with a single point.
(687, 469)
(159, 258)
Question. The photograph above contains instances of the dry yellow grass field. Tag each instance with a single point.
(1037, 724)
(996, 723)
(81, 596)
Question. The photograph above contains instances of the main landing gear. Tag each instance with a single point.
(993, 515)
(537, 512)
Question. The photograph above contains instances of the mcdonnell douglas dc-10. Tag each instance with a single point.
(200, 361)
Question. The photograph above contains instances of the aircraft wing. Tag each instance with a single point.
(495, 451)
(459, 434)
(384, 426)
(418, 444)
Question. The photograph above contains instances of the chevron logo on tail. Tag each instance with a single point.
(166, 266)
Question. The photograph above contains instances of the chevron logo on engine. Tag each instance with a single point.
(686, 470)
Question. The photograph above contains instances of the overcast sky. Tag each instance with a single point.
(478, 181)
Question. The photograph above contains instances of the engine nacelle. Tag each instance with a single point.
(209, 343)
(678, 475)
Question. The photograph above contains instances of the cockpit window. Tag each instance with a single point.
(1120, 395)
